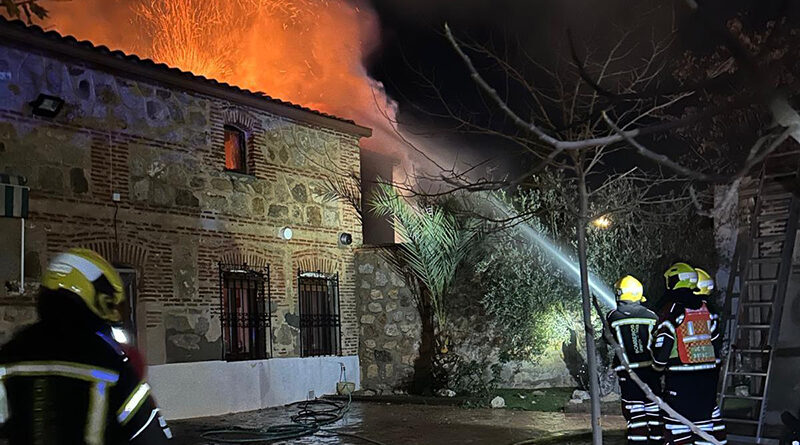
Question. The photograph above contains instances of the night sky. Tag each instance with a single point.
(413, 42)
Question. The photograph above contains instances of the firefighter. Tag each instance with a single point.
(632, 325)
(683, 347)
(705, 289)
(66, 380)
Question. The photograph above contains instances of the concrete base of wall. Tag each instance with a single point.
(185, 390)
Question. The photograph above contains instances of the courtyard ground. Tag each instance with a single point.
(410, 424)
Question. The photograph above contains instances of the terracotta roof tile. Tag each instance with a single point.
(132, 58)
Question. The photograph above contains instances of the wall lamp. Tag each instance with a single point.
(285, 233)
(46, 105)
(345, 239)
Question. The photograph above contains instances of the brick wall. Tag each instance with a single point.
(180, 213)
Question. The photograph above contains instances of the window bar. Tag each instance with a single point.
(222, 309)
(300, 295)
(338, 312)
(319, 336)
(269, 306)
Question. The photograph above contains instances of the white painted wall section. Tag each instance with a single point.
(199, 389)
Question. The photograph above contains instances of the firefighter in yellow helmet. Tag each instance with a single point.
(66, 380)
(632, 325)
(683, 347)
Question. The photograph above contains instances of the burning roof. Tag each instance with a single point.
(27, 37)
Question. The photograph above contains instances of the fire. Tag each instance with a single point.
(309, 52)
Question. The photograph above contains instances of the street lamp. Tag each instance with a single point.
(602, 222)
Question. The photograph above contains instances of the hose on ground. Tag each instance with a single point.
(311, 417)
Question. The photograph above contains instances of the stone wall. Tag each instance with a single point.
(180, 213)
(389, 325)
(390, 334)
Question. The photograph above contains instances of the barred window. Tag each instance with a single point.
(246, 322)
(320, 326)
(235, 149)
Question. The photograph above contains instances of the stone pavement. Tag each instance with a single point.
(405, 424)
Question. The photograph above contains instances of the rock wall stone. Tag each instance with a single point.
(389, 325)
(390, 331)
(180, 212)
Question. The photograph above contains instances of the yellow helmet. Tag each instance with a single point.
(89, 276)
(681, 275)
(629, 288)
(705, 284)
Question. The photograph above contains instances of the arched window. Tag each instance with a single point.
(235, 149)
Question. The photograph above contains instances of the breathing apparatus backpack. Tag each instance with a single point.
(693, 337)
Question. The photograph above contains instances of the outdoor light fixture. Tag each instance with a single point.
(602, 222)
(285, 233)
(46, 105)
(345, 239)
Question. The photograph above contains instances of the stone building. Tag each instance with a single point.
(207, 198)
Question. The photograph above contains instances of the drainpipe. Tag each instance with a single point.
(22, 257)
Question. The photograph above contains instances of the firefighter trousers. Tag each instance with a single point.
(644, 423)
(693, 394)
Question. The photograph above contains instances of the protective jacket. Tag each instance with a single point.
(633, 326)
(687, 337)
(67, 381)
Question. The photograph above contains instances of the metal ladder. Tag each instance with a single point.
(765, 260)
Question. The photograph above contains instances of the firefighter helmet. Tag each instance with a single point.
(705, 284)
(681, 275)
(629, 288)
(88, 275)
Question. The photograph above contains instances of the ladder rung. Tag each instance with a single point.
(769, 238)
(783, 154)
(734, 420)
(780, 175)
(750, 351)
(767, 217)
(766, 260)
(774, 196)
(761, 282)
(757, 303)
(754, 326)
(757, 374)
(733, 396)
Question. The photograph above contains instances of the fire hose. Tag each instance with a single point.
(311, 418)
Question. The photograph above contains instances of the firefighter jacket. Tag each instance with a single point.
(687, 336)
(67, 381)
(632, 324)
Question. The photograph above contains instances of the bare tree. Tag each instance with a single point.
(577, 121)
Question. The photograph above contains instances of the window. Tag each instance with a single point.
(235, 150)
(246, 322)
(128, 310)
(320, 326)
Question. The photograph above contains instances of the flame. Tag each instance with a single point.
(310, 52)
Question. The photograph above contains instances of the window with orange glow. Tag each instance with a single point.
(235, 150)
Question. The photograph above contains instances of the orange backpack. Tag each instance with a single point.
(694, 337)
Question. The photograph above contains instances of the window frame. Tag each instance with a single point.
(325, 326)
(256, 324)
(243, 152)
(131, 296)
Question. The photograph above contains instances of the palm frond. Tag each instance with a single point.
(435, 243)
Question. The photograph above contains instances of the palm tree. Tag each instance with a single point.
(435, 243)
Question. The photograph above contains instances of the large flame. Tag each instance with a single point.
(310, 52)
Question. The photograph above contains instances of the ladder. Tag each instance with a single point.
(765, 269)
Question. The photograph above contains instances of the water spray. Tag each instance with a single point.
(562, 260)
